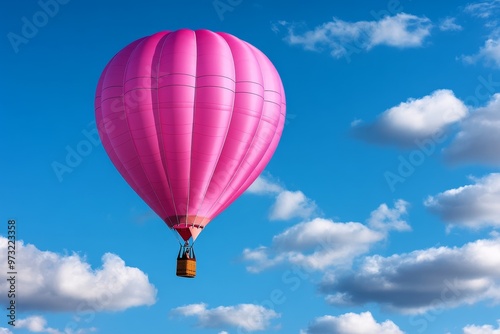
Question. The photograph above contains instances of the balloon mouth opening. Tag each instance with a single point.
(187, 226)
(188, 231)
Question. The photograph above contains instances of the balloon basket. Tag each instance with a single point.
(186, 268)
(186, 262)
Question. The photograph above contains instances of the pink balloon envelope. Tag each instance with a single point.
(190, 119)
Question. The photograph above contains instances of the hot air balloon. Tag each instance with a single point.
(189, 118)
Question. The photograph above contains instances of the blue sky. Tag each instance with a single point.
(378, 213)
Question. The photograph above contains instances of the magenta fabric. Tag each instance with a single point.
(190, 119)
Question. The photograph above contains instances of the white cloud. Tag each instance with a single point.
(33, 324)
(385, 219)
(402, 30)
(414, 120)
(4, 330)
(473, 206)
(483, 9)
(351, 323)
(343, 38)
(38, 324)
(290, 204)
(314, 245)
(485, 329)
(448, 24)
(55, 282)
(319, 243)
(249, 317)
(276, 25)
(489, 53)
(475, 141)
(263, 185)
(262, 258)
(322, 243)
(423, 280)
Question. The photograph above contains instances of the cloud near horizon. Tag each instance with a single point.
(67, 283)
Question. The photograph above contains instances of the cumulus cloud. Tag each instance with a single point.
(322, 243)
(489, 53)
(343, 38)
(315, 245)
(449, 24)
(4, 330)
(249, 317)
(385, 218)
(290, 204)
(485, 329)
(414, 120)
(423, 280)
(54, 282)
(263, 185)
(38, 324)
(351, 323)
(474, 206)
(319, 243)
(35, 324)
(474, 143)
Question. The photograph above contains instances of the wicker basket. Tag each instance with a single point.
(186, 268)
